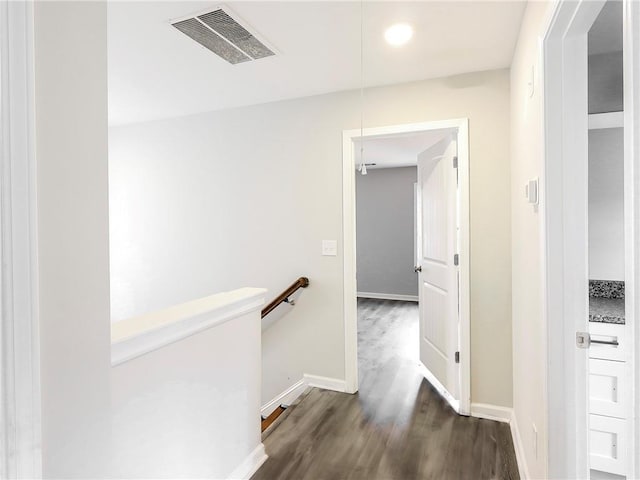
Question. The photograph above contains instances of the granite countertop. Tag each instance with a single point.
(606, 310)
(606, 301)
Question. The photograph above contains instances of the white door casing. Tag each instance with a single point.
(461, 125)
(20, 426)
(564, 194)
(438, 275)
(631, 66)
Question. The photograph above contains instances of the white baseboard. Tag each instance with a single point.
(505, 415)
(249, 465)
(518, 447)
(294, 391)
(388, 296)
(492, 412)
(325, 382)
(285, 398)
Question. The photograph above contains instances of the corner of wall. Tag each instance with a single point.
(250, 464)
(518, 446)
(530, 409)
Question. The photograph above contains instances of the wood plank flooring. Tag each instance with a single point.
(396, 427)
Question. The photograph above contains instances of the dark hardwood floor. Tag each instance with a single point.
(396, 427)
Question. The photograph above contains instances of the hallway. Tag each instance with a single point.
(396, 427)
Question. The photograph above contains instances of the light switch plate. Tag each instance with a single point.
(531, 191)
(330, 248)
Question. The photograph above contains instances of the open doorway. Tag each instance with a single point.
(591, 225)
(386, 215)
(608, 366)
(409, 214)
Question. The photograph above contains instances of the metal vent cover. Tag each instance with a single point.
(221, 33)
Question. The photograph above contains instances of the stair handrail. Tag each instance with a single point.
(302, 282)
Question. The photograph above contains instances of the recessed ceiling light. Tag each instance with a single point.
(398, 34)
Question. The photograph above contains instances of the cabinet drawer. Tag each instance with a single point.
(610, 333)
(608, 444)
(607, 388)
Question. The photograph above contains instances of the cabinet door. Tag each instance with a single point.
(607, 388)
(608, 332)
(608, 444)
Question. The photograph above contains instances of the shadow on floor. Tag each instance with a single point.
(396, 427)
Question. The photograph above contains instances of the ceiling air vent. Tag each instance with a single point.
(219, 32)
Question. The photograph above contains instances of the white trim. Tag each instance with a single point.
(518, 446)
(350, 301)
(249, 465)
(349, 246)
(140, 335)
(464, 291)
(388, 296)
(20, 447)
(491, 412)
(285, 398)
(327, 383)
(288, 396)
(565, 254)
(435, 383)
(631, 62)
(505, 415)
(606, 120)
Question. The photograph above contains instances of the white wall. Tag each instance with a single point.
(606, 204)
(190, 409)
(73, 238)
(385, 217)
(160, 415)
(529, 332)
(211, 202)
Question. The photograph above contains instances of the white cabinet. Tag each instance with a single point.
(608, 332)
(607, 439)
(608, 399)
(607, 388)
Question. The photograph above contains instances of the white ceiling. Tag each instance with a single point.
(157, 72)
(397, 150)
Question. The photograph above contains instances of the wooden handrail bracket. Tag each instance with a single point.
(302, 282)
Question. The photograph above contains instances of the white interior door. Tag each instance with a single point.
(437, 270)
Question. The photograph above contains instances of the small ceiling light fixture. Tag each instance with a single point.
(398, 34)
(363, 167)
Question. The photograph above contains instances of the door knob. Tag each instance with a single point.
(417, 269)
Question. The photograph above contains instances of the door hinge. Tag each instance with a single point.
(457, 357)
(456, 259)
(455, 162)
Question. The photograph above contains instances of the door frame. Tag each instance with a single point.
(20, 426)
(631, 56)
(565, 222)
(349, 246)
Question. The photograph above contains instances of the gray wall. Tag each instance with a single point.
(606, 168)
(605, 82)
(385, 231)
(606, 204)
